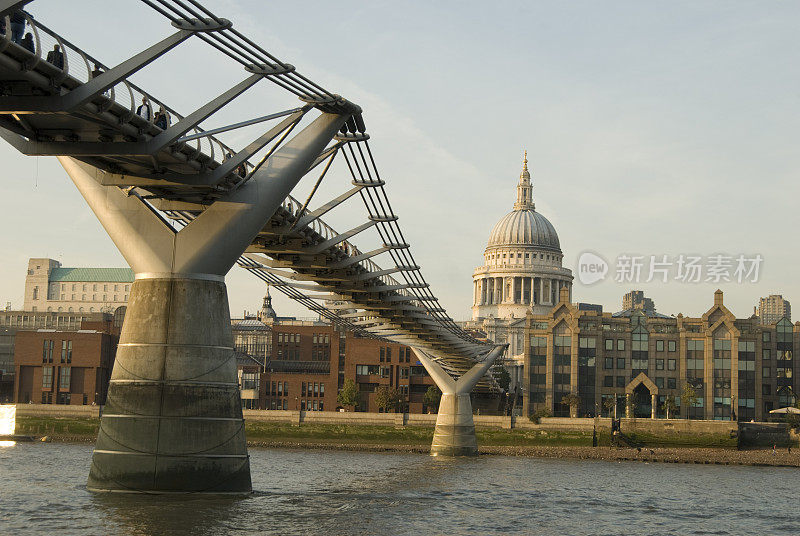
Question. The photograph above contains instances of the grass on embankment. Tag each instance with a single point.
(275, 433)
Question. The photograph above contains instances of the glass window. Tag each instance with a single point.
(47, 378)
(620, 362)
(696, 344)
(671, 383)
(672, 364)
(609, 344)
(766, 354)
(620, 344)
(65, 377)
(608, 381)
(660, 382)
(620, 381)
(659, 364)
(659, 346)
(766, 336)
(609, 363)
(671, 346)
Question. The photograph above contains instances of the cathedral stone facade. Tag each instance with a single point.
(522, 273)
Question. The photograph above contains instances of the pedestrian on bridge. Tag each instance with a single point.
(56, 57)
(162, 118)
(17, 26)
(145, 111)
(27, 43)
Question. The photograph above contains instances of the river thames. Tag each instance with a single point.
(332, 492)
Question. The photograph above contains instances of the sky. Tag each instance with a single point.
(652, 129)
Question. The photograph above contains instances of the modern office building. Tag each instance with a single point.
(522, 273)
(737, 367)
(773, 308)
(636, 299)
(51, 287)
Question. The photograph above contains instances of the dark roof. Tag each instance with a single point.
(627, 313)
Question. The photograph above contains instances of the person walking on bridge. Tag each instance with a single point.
(56, 57)
(145, 111)
(28, 44)
(162, 119)
(17, 26)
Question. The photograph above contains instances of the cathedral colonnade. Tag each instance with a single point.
(518, 290)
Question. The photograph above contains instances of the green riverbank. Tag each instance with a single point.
(260, 433)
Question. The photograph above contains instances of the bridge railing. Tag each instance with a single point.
(81, 67)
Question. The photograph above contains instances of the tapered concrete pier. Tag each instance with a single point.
(173, 419)
(455, 428)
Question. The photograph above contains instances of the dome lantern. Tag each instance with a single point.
(524, 188)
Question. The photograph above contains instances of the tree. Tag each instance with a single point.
(669, 405)
(609, 404)
(349, 395)
(387, 398)
(688, 397)
(502, 376)
(432, 397)
(573, 401)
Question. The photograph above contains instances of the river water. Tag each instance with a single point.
(42, 491)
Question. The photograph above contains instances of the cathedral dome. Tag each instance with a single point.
(524, 227)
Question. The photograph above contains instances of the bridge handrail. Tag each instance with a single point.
(71, 50)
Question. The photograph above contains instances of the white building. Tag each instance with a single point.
(51, 287)
(522, 272)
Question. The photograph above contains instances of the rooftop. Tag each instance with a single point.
(99, 275)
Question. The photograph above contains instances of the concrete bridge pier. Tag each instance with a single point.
(455, 428)
(173, 419)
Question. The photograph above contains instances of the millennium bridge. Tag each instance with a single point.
(183, 208)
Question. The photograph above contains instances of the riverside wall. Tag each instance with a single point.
(768, 431)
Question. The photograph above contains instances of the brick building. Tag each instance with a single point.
(13, 322)
(301, 365)
(65, 367)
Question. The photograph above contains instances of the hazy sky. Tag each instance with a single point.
(652, 128)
